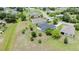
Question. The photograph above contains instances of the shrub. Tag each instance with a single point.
(48, 31)
(23, 31)
(55, 21)
(32, 39)
(2, 15)
(56, 33)
(31, 28)
(40, 34)
(65, 40)
(39, 41)
(76, 26)
(33, 34)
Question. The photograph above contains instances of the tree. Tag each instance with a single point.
(66, 17)
(23, 17)
(33, 34)
(20, 9)
(77, 17)
(56, 33)
(55, 21)
(73, 10)
(52, 8)
(76, 26)
(44, 9)
(1, 9)
(2, 15)
(10, 18)
(65, 40)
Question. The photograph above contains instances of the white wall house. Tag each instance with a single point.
(68, 30)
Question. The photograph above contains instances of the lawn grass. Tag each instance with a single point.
(9, 36)
(59, 44)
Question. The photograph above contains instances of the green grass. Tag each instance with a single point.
(60, 27)
(9, 36)
(59, 44)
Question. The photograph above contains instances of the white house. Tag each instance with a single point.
(68, 30)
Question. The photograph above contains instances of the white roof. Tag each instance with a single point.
(68, 29)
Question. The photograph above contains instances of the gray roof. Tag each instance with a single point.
(45, 25)
(68, 29)
(38, 20)
(34, 14)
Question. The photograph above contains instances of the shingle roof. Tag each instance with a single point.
(45, 25)
(38, 20)
(68, 29)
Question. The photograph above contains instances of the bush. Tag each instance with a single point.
(65, 40)
(23, 31)
(31, 28)
(32, 39)
(39, 41)
(40, 34)
(33, 34)
(48, 31)
(23, 17)
(56, 33)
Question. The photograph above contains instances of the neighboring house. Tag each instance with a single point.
(43, 26)
(38, 20)
(50, 11)
(68, 30)
(50, 18)
(34, 15)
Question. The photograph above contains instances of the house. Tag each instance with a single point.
(50, 18)
(44, 25)
(68, 30)
(35, 15)
(38, 20)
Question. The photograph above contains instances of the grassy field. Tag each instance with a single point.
(59, 44)
(9, 36)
